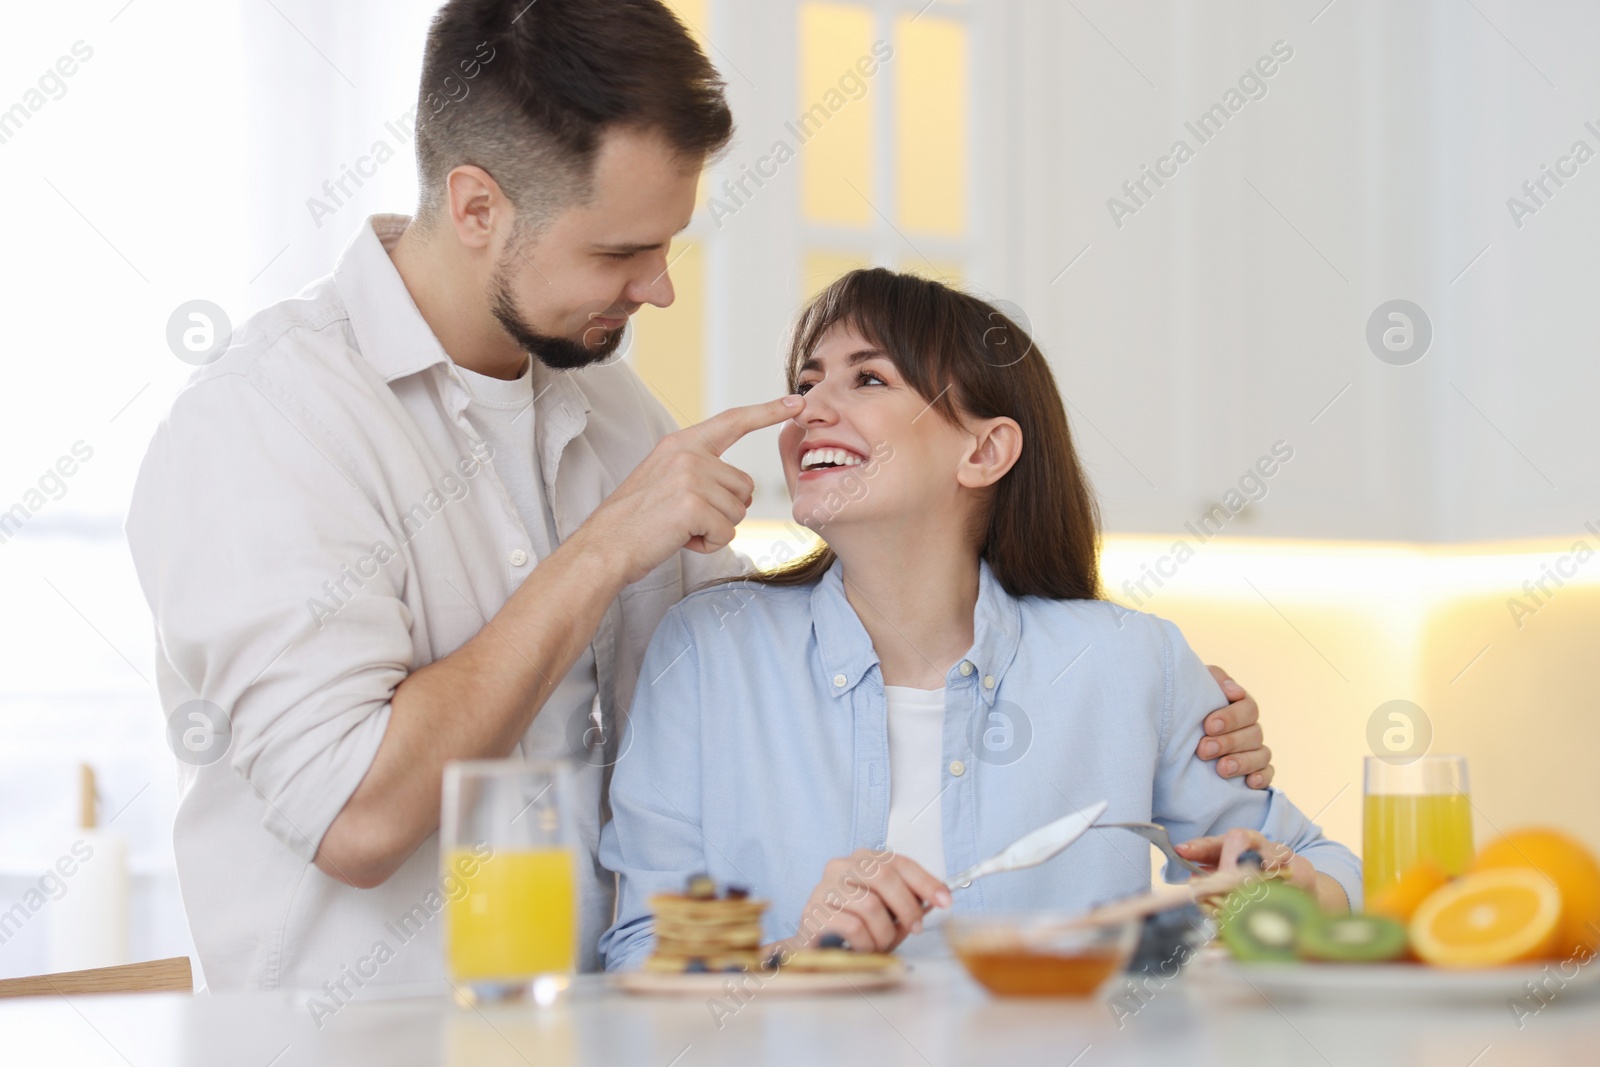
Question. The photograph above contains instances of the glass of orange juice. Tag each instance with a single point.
(508, 857)
(1419, 810)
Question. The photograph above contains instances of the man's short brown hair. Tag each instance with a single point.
(525, 89)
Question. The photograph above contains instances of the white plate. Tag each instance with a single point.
(787, 983)
(1390, 983)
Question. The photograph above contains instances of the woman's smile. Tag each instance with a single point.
(819, 458)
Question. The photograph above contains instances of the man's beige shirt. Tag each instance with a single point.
(315, 519)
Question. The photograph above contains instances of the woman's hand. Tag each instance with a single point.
(1235, 732)
(1222, 854)
(874, 900)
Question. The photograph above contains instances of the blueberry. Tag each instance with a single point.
(774, 961)
(696, 966)
(832, 941)
(738, 892)
(1250, 858)
(733, 968)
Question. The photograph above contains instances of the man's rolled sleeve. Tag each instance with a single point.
(274, 582)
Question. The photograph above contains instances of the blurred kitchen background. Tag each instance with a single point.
(1427, 530)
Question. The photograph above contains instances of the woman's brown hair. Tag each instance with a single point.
(968, 358)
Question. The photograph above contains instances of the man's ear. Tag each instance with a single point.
(480, 213)
(996, 444)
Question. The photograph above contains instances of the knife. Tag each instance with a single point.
(1032, 849)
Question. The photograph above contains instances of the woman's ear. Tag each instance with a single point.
(996, 444)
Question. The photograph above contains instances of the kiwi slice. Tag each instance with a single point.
(1267, 927)
(1357, 938)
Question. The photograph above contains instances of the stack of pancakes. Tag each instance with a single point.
(698, 931)
(711, 933)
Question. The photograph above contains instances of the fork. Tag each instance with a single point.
(1157, 836)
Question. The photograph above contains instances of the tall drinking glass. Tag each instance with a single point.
(1415, 811)
(508, 852)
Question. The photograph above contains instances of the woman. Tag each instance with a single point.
(939, 678)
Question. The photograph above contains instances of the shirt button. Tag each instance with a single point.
(957, 768)
(966, 668)
(518, 557)
(988, 681)
(839, 680)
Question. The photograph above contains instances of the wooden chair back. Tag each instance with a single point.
(154, 976)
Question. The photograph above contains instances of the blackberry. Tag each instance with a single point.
(1168, 940)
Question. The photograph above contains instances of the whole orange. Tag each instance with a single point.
(1401, 900)
(1570, 866)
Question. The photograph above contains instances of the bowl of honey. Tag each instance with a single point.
(1041, 955)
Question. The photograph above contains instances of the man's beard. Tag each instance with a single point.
(557, 353)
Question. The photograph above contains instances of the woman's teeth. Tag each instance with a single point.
(828, 457)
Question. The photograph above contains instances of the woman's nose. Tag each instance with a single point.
(816, 410)
(819, 410)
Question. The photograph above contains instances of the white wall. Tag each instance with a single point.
(1232, 308)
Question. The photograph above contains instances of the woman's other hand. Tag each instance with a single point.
(1233, 736)
(1222, 854)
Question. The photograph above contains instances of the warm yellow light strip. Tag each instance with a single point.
(1346, 569)
(1340, 570)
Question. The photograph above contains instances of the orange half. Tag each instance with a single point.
(1489, 918)
(1574, 870)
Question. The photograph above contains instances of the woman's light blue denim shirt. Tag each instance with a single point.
(757, 750)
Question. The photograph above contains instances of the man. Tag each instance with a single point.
(376, 536)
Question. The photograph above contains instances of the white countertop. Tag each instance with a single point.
(938, 1017)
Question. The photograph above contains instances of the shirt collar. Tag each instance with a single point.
(394, 337)
(846, 648)
(390, 330)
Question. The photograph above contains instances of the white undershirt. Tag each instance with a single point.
(916, 761)
(503, 413)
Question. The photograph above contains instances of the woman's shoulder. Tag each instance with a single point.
(1103, 624)
(1115, 641)
(1093, 617)
(725, 611)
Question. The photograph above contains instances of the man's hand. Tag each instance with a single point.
(1234, 732)
(683, 495)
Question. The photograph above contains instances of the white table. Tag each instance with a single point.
(938, 1017)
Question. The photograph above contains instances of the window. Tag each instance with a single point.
(884, 99)
(859, 157)
(669, 344)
